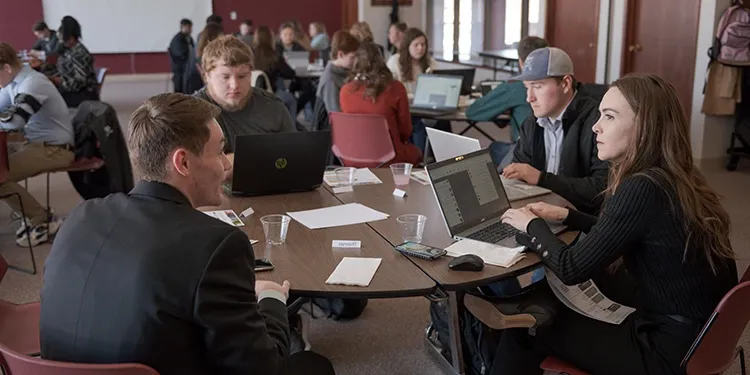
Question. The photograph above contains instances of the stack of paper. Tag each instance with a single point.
(490, 254)
(337, 216)
(421, 177)
(354, 271)
(362, 176)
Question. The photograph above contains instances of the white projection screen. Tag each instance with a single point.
(128, 26)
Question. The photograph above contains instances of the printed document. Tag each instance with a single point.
(587, 300)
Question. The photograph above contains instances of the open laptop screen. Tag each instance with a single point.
(468, 190)
(437, 91)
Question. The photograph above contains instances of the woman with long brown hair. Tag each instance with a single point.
(209, 33)
(372, 90)
(661, 223)
(412, 59)
(268, 59)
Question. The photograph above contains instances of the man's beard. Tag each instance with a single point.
(231, 107)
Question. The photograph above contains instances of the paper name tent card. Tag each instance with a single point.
(337, 216)
(228, 216)
(363, 176)
(490, 254)
(354, 271)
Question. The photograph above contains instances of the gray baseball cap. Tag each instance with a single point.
(544, 63)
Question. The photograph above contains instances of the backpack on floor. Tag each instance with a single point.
(479, 341)
(341, 309)
(732, 42)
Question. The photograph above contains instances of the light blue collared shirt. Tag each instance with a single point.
(553, 140)
(50, 123)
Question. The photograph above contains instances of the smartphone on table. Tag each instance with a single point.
(419, 250)
(263, 264)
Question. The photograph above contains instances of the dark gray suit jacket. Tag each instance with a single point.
(146, 278)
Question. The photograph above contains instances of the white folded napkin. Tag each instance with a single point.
(354, 271)
(491, 254)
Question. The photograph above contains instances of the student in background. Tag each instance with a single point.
(300, 36)
(557, 149)
(212, 19)
(372, 90)
(246, 32)
(395, 35)
(287, 42)
(413, 60)
(227, 69)
(210, 32)
(320, 40)
(181, 54)
(660, 218)
(46, 39)
(362, 31)
(344, 53)
(76, 77)
(508, 96)
(275, 66)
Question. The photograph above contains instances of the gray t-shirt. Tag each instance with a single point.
(263, 114)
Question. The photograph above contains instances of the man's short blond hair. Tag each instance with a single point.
(232, 51)
(8, 55)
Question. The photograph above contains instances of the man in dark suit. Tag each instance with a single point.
(144, 277)
(181, 51)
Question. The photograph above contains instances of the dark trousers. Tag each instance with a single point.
(178, 80)
(309, 363)
(75, 98)
(645, 343)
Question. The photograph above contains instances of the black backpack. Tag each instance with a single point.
(479, 341)
(341, 309)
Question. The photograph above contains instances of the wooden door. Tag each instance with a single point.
(660, 38)
(349, 14)
(575, 30)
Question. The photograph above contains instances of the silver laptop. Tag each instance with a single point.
(448, 145)
(518, 190)
(297, 59)
(436, 95)
(472, 199)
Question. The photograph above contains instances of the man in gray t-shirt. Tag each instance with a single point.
(227, 69)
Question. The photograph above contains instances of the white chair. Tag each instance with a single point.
(266, 83)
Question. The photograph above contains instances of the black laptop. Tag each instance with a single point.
(279, 163)
(466, 74)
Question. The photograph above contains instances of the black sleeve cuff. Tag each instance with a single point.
(578, 220)
(542, 237)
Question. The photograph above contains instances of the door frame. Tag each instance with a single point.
(629, 33)
(349, 13)
(549, 25)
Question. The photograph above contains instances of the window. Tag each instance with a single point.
(481, 25)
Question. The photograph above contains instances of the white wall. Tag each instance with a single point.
(379, 17)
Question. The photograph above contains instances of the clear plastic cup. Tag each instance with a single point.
(401, 173)
(345, 175)
(412, 227)
(275, 228)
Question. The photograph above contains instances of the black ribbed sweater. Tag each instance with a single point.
(639, 224)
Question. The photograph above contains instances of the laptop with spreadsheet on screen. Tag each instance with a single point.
(472, 198)
(436, 95)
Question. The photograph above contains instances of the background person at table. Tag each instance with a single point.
(287, 42)
(31, 103)
(343, 53)
(46, 39)
(177, 287)
(181, 55)
(209, 33)
(508, 96)
(363, 32)
(75, 77)
(372, 90)
(395, 35)
(271, 62)
(661, 218)
(246, 32)
(557, 149)
(227, 66)
(413, 60)
(319, 40)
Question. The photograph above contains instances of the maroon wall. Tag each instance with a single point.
(17, 18)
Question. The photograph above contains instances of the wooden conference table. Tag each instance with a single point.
(307, 258)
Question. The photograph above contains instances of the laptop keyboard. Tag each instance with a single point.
(494, 233)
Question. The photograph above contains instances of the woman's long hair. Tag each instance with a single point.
(661, 151)
(370, 71)
(264, 48)
(209, 33)
(404, 58)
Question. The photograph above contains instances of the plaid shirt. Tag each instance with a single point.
(76, 68)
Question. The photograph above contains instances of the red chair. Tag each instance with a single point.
(715, 348)
(19, 324)
(361, 140)
(4, 171)
(14, 363)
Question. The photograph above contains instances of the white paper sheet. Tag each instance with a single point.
(587, 300)
(490, 254)
(363, 176)
(228, 216)
(420, 176)
(336, 216)
(354, 271)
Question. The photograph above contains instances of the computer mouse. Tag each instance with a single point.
(468, 262)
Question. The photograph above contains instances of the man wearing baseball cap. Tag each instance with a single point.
(557, 148)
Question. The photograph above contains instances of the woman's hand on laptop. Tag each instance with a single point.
(518, 218)
(548, 212)
(525, 172)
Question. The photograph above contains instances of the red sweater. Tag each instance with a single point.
(393, 104)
